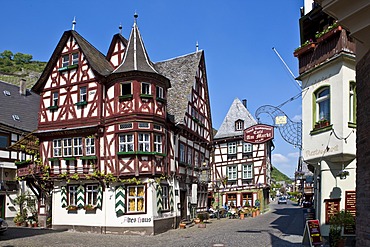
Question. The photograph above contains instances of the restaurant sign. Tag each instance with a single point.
(259, 133)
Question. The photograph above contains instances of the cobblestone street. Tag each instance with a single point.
(281, 226)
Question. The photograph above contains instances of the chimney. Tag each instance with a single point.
(244, 103)
(22, 87)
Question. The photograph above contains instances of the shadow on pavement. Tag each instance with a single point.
(24, 232)
(290, 221)
(278, 242)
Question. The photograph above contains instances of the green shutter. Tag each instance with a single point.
(100, 197)
(64, 196)
(171, 199)
(159, 198)
(120, 200)
(80, 196)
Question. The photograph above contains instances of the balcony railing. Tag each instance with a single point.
(326, 47)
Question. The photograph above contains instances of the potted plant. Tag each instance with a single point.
(337, 223)
(202, 216)
(71, 208)
(343, 174)
(89, 207)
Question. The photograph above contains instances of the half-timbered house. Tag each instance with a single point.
(18, 118)
(127, 140)
(241, 173)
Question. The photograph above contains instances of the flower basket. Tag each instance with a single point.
(303, 49)
(343, 174)
(90, 208)
(328, 33)
(71, 208)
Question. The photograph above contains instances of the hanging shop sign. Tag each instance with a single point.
(259, 133)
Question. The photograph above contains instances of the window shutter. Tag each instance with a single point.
(171, 198)
(80, 196)
(64, 196)
(159, 198)
(120, 200)
(100, 197)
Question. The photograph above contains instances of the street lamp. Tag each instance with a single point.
(218, 184)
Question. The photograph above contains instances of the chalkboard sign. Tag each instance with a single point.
(312, 233)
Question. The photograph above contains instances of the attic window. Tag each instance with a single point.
(239, 125)
(6, 93)
(15, 117)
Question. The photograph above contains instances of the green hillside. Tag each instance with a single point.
(277, 175)
(14, 67)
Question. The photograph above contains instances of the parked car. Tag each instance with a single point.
(282, 200)
(3, 225)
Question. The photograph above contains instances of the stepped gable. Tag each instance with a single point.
(181, 71)
(237, 111)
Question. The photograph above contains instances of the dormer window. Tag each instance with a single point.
(239, 125)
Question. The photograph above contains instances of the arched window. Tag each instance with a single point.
(323, 105)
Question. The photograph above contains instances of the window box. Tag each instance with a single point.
(125, 97)
(88, 158)
(69, 67)
(24, 162)
(146, 96)
(71, 208)
(320, 130)
(81, 103)
(322, 124)
(161, 100)
(53, 159)
(307, 46)
(331, 30)
(53, 107)
(90, 208)
(69, 158)
(126, 153)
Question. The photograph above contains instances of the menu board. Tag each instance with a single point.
(351, 202)
(331, 208)
(350, 207)
(312, 233)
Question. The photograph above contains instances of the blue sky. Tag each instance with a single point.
(236, 35)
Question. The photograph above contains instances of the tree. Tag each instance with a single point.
(6, 54)
(22, 58)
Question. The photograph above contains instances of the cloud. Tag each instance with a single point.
(297, 118)
(279, 159)
(293, 155)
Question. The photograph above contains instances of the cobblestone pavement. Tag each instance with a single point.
(281, 226)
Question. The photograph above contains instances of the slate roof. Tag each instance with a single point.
(96, 59)
(136, 58)
(237, 111)
(181, 71)
(26, 107)
(116, 37)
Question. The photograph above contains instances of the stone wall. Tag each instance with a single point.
(363, 151)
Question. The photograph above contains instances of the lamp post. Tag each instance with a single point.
(218, 184)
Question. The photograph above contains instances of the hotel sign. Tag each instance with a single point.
(259, 133)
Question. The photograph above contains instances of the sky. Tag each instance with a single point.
(237, 36)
